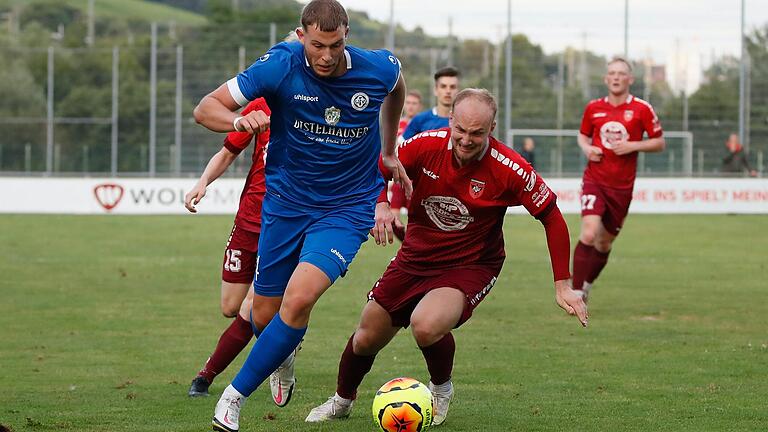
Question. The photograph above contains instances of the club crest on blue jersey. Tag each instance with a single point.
(359, 101)
(476, 188)
(332, 115)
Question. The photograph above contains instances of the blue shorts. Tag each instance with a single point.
(327, 239)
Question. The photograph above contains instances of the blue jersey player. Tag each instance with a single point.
(321, 172)
(446, 87)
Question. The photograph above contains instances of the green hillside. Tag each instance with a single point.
(127, 9)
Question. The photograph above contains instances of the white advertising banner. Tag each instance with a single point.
(166, 196)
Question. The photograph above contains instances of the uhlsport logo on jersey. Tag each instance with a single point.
(359, 101)
(108, 195)
(264, 58)
(332, 115)
(476, 188)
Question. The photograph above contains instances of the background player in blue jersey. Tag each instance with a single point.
(446, 87)
(322, 173)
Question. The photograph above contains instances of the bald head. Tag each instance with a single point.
(472, 120)
(481, 99)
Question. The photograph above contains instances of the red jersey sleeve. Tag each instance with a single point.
(235, 141)
(527, 187)
(651, 122)
(586, 121)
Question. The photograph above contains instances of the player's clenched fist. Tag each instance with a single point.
(255, 122)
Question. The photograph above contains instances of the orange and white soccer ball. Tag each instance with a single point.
(403, 405)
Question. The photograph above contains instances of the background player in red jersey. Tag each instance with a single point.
(611, 135)
(240, 262)
(411, 107)
(463, 182)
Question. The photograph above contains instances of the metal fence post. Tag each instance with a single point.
(177, 130)
(115, 108)
(153, 101)
(49, 116)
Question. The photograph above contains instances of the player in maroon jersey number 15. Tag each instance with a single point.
(463, 182)
(611, 136)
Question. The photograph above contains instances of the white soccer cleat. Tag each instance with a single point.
(226, 417)
(282, 381)
(335, 407)
(441, 401)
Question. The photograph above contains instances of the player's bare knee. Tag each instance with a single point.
(296, 308)
(364, 343)
(425, 333)
(229, 308)
(603, 245)
(588, 236)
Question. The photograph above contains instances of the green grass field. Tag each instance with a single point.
(105, 320)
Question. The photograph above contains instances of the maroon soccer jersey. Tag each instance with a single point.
(249, 213)
(456, 213)
(605, 124)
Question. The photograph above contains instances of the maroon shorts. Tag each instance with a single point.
(399, 292)
(612, 205)
(240, 256)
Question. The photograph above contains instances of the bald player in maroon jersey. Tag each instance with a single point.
(611, 136)
(463, 182)
(239, 265)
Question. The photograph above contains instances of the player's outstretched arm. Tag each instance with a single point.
(390, 118)
(216, 110)
(571, 301)
(215, 168)
(559, 245)
(651, 145)
(382, 230)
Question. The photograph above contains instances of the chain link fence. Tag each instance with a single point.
(126, 110)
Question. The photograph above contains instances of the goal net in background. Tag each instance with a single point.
(558, 155)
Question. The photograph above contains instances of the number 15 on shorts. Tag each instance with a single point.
(232, 262)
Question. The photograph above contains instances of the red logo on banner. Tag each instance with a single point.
(108, 195)
(476, 188)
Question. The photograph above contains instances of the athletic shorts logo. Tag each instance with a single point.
(628, 114)
(332, 115)
(264, 58)
(108, 195)
(476, 188)
(393, 60)
(359, 101)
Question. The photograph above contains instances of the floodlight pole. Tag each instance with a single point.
(742, 83)
(391, 33)
(508, 79)
(626, 29)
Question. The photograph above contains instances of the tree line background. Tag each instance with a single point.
(214, 36)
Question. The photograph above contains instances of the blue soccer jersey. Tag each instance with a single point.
(424, 121)
(324, 133)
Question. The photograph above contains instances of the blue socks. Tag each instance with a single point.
(271, 348)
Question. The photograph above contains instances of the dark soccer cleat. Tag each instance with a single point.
(199, 387)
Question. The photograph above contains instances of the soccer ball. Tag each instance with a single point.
(403, 405)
